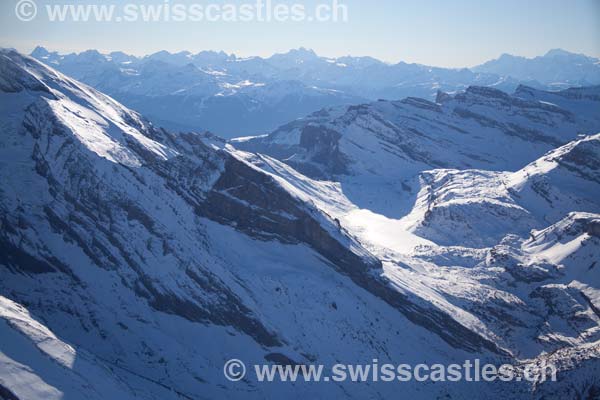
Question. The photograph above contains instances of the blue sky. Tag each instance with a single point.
(434, 32)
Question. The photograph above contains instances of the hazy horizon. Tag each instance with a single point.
(29, 50)
(435, 33)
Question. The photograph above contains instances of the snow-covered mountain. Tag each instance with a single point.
(515, 251)
(134, 261)
(558, 69)
(503, 252)
(198, 92)
(544, 191)
(194, 92)
(383, 146)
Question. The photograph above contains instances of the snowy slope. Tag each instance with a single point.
(466, 219)
(149, 259)
(469, 240)
(34, 363)
(137, 261)
(488, 205)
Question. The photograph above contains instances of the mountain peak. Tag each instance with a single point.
(92, 54)
(303, 50)
(39, 51)
(506, 56)
(558, 53)
(161, 53)
(302, 53)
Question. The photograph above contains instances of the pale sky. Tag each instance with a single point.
(448, 33)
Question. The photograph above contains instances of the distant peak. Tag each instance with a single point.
(161, 53)
(505, 56)
(39, 51)
(91, 53)
(558, 52)
(302, 52)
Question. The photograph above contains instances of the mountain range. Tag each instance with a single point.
(191, 92)
(136, 260)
